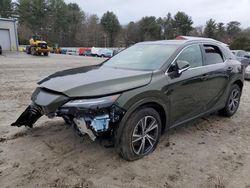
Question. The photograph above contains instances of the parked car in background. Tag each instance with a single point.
(1, 50)
(144, 90)
(94, 51)
(247, 73)
(72, 52)
(82, 50)
(63, 51)
(242, 56)
(87, 53)
(104, 52)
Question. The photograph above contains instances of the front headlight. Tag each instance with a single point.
(93, 103)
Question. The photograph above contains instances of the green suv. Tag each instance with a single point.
(141, 92)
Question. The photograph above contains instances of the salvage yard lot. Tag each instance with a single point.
(198, 154)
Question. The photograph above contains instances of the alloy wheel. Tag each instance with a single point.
(145, 135)
(234, 100)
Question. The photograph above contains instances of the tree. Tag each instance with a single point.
(6, 8)
(111, 26)
(75, 20)
(197, 31)
(242, 42)
(182, 23)
(233, 29)
(57, 26)
(168, 27)
(33, 14)
(221, 34)
(132, 33)
(94, 34)
(149, 28)
(210, 29)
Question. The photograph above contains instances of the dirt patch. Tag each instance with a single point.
(210, 152)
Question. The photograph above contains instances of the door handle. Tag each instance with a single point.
(204, 77)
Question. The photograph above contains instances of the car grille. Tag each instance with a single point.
(42, 45)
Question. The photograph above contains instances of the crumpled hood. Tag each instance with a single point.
(93, 81)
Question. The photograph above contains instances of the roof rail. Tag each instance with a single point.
(181, 37)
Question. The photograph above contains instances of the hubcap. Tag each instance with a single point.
(145, 135)
(234, 100)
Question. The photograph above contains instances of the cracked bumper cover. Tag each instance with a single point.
(43, 103)
(31, 114)
(98, 118)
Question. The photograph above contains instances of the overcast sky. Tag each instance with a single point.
(199, 10)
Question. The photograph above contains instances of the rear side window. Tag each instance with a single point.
(213, 55)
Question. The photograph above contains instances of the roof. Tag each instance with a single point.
(179, 42)
(184, 39)
(8, 19)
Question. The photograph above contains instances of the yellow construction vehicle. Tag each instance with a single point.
(37, 46)
(55, 49)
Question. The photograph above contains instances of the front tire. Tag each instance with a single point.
(141, 134)
(233, 102)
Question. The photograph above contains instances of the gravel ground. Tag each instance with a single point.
(209, 152)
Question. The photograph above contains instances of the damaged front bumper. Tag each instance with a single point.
(89, 116)
(94, 122)
(31, 114)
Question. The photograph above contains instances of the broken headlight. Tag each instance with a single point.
(93, 103)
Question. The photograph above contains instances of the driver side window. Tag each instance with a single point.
(192, 55)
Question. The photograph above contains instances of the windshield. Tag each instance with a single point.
(142, 57)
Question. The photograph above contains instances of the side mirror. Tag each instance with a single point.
(182, 66)
(247, 56)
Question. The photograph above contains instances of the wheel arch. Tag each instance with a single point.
(152, 102)
(161, 111)
(239, 83)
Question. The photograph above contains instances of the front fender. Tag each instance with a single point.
(138, 101)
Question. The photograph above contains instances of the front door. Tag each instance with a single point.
(185, 91)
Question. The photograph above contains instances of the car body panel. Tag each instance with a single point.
(47, 100)
(184, 101)
(95, 81)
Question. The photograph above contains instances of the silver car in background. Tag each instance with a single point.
(247, 73)
(242, 56)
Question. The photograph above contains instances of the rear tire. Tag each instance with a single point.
(28, 50)
(141, 134)
(233, 102)
(33, 51)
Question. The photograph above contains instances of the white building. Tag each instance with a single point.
(8, 34)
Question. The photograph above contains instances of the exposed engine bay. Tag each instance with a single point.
(93, 122)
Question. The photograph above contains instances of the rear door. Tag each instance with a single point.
(215, 75)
